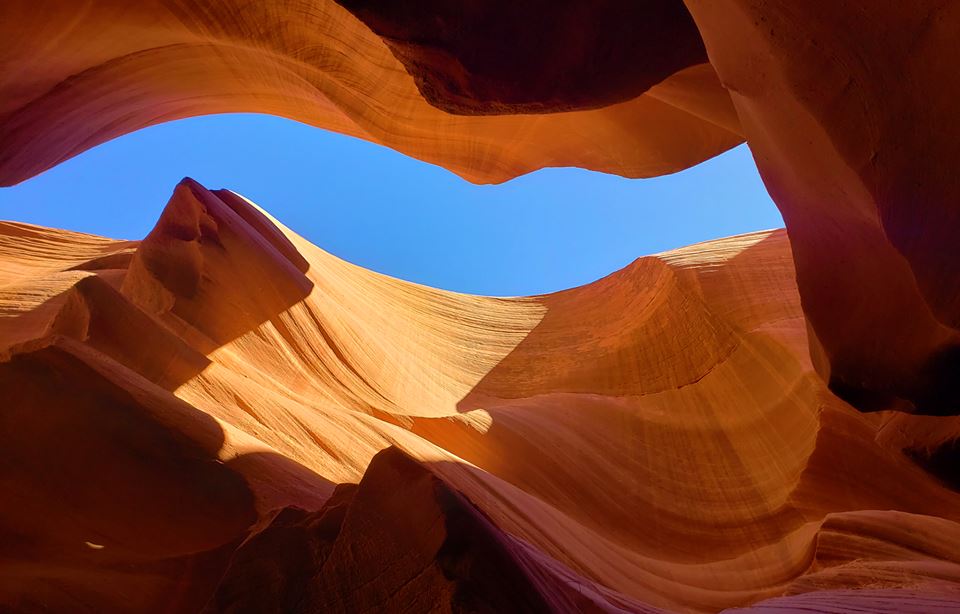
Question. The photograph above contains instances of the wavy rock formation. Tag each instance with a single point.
(223, 417)
(159, 60)
(850, 113)
(506, 57)
(848, 109)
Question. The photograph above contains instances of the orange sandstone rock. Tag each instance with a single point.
(184, 419)
(74, 76)
(656, 440)
(824, 96)
(850, 110)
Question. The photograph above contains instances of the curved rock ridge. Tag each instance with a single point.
(848, 109)
(535, 57)
(313, 61)
(222, 417)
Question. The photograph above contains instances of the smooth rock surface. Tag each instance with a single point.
(848, 108)
(184, 419)
(73, 75)
(223, 417)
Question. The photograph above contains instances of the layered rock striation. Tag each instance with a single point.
(223, 417)
(848, 110)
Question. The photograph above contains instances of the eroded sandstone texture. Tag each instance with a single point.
(185, 417)
(75, 74)
(223, 417)
(537, 56)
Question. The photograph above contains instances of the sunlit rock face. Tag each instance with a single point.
(849, 110)
(78, 74)
(223, 417)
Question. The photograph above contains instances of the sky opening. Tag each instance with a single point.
(546, 231)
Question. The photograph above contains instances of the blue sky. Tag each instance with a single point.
(550, 230)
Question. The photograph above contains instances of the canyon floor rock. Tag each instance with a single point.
(186, 419)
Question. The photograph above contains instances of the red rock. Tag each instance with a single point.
(656, 440)
(849, 112)
(184, 418)
(536, 56)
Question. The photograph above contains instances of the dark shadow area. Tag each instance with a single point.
(939, 394)
(867, 399)
(934, 392)
(943, 462)
(401, 540)
(113, 482)
(499, 57)
(108, 480)
(275, 568)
